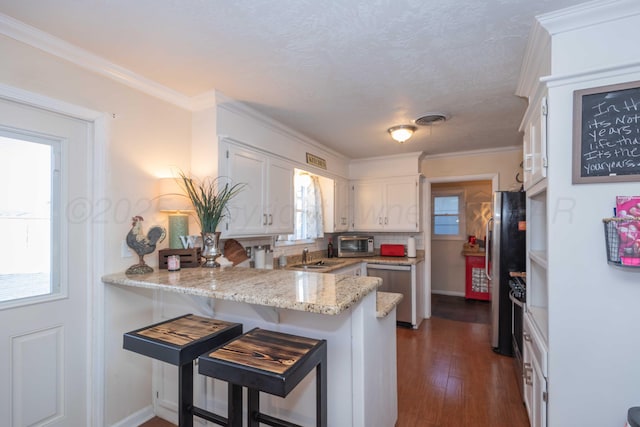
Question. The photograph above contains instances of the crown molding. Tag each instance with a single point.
(474, 152)
(537, 56)
(588, 14)
(608, 72)
(417, 155)
(38, 39)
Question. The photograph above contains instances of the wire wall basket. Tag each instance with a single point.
(622, 237)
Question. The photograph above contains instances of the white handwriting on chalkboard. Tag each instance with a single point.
(630, 153)
(608, 166)
(631, 104)
(601, 111)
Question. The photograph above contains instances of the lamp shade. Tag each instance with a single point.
(171, 197)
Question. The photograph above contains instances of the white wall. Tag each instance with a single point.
(505, 162)
(593, 322)
(145, 140)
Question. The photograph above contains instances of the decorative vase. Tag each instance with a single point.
(210, 249)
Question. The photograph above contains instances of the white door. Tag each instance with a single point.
(44, 263)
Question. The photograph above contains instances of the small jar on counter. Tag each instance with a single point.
(173, 262)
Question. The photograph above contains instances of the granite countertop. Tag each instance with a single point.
(296, 290)
(385, 302)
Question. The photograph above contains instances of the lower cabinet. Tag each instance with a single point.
(534, 374)
(352, 270)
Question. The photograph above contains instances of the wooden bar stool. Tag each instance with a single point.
(269, 362)
(179, 342)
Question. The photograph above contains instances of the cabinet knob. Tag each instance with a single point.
(526, 336)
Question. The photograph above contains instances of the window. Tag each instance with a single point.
(448, 215)
(27, 225)
(308, 221)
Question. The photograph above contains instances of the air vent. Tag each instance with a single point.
(430, 119)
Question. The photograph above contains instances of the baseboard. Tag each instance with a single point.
(136, 418)
(448, 293)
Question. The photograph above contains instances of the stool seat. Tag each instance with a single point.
(180, 341)
(270, 362)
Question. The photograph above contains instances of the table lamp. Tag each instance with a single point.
(172, 200)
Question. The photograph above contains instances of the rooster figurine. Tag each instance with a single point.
(143, 244)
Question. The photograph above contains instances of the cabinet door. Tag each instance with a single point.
(352, 270)
(341, 205)
(367, 206)
(535, 145)
(539, 396)
(247, 209)
(527, 378)
(279, 211)
(401, 205)
(527, 157)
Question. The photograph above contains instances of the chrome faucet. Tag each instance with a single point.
(305, 253)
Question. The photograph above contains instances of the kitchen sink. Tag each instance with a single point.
(310, 266)
(317, 265)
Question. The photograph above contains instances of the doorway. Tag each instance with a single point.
(46, 315)
(444, 243)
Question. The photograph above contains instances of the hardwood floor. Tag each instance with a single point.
(447, 373)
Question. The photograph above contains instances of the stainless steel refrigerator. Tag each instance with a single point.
(506, 242)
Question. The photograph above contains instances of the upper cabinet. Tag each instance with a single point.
(534, 126)
(390, 204)
(335, 204)
(265, 206)
(341, 205)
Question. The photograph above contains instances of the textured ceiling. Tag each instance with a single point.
(338, 71)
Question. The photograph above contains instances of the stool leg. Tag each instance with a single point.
(185, 395)
(321, 392)
(234, 402)
(253, 401)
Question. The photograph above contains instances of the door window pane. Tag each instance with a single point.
(26, 171)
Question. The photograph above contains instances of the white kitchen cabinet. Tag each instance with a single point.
(534, 127)
(534, 373)
(358, 269)
(335, 204)
(265, 205)
(390, 204)
(341, 205)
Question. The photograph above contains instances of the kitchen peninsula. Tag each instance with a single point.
(357, 322)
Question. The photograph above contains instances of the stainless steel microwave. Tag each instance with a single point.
(355, 246)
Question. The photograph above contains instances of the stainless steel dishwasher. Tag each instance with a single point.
(396, 278)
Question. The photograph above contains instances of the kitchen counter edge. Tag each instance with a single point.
(271, 288)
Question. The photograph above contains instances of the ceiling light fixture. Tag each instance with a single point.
(401, 133)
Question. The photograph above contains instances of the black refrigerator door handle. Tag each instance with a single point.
(488, 249)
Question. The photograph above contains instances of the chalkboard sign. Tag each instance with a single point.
(606, 134)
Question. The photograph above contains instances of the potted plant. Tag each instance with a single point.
(210, 198)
